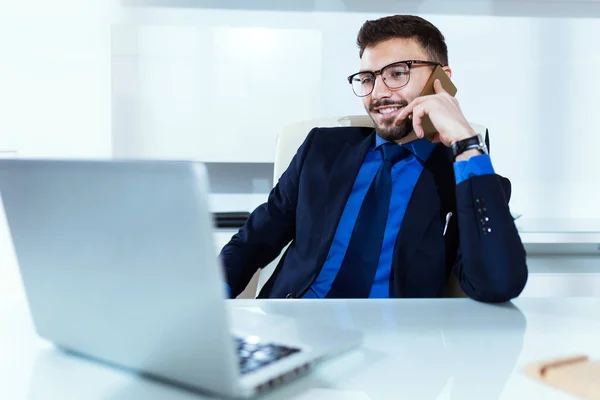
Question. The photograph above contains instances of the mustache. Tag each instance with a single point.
(384, 103)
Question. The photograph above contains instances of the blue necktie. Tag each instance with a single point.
(357, 273)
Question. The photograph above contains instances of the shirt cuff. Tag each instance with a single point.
(474, 166)
(228, 290)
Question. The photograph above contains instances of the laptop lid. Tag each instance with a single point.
(118, 263)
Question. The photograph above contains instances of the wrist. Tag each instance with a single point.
(464, 134)
(465, 156)
(471, 146)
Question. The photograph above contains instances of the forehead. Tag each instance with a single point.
(390, 51)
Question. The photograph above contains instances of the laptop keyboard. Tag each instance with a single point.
(254, 355)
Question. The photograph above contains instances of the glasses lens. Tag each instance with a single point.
(396, 76)
(362, 84)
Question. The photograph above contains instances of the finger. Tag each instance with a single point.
(406, 111)
(417, 118)
(437, 87)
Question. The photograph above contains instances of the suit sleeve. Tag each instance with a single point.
(268, 229)
(491, 263)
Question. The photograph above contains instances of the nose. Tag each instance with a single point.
(380, 90)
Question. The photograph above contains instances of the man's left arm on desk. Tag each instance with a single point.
(491, 264)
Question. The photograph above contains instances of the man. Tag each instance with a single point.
(370, 215)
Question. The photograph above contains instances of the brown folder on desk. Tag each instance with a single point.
(576, 375)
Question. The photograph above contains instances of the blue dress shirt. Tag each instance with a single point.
(405, 175)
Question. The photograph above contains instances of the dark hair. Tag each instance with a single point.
(406, 27)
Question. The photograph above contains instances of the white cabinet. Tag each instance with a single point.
(563, 256)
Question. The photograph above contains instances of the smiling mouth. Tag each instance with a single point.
(387, 112)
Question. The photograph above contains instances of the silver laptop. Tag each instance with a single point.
(119, 265)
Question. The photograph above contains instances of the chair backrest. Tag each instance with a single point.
(292, 137)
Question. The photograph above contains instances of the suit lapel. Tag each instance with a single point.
(340, 182)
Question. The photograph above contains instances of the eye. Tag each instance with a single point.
(399, 74)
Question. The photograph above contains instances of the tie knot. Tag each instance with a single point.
(393, 152)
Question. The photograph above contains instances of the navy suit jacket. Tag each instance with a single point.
(481, 247)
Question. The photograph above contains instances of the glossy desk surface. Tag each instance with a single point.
(414, 349)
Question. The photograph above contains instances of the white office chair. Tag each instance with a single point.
(287, 145)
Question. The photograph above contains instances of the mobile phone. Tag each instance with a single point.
(438, 73)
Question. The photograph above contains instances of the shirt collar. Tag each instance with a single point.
(422, 148)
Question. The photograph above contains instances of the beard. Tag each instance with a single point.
(385, 128)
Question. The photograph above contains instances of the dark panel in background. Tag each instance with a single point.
(238, 178)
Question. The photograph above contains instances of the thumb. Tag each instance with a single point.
(437, 86)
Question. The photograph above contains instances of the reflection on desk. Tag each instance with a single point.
(414, 349)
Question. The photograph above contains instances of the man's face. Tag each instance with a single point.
(384, 104)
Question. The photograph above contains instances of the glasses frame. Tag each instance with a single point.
(409, 63)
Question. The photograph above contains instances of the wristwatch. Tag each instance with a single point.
(473, 143)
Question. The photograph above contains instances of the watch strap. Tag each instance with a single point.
(473, 143)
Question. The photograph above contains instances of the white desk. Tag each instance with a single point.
(414, 349)
(428, 349)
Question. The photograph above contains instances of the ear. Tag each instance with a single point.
(448, 71)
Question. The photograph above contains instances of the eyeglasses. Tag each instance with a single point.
(395, 76)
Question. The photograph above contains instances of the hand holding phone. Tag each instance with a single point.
(428, 89)
(450, 124)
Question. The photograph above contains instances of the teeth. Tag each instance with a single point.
(388, 110)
